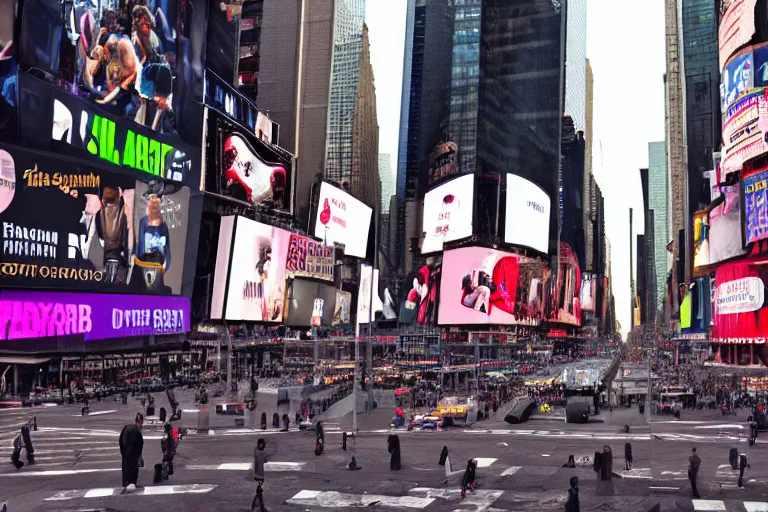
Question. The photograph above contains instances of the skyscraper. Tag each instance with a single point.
(657, 200)
(589, 179)
(703, 120)
(363, 176)
(576, 63)
(387, 178)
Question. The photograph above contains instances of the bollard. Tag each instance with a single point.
(344, 441)
(162, 415)
(275, 420)
(263, 421)
(34, 423)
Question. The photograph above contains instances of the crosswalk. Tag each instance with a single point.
(729, 506)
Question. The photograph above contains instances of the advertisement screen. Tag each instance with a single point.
(737, 26)
(248, 169)
(760, 56)
(443, 162)
(486, 286)
(33, 314)
(744, 131)
(420, 306)
(249, 283)
(342, 311)
(737, 79)
(448, 213)
(309, 258)
(700, 239)
(588, 292)
(129, 57)
(725, 233)
(367, 298)
(740, 313)
(66, 226)
(563, 294)
(527, 217)
(343, 219)
(756, 205)
(305, 299)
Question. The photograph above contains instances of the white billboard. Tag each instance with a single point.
(527, 217)
(448, 213)
(343, 219)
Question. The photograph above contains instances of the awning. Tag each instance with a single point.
(24, 360)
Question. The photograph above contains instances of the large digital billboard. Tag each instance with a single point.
(310, 303)
(740, 314)
(737, 26)
(38, 314)
(309, 258)
(563, 293)
(725, 232)
(249, 283)
(588, 296)
(737, 79)
(343, 219)
(443, 161)
(246, 168)
(486, 286)
(756, 205)
(448, 213)
(527, 214)
(744, 131)
(81, 227)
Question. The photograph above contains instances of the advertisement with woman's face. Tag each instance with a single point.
(486, 286)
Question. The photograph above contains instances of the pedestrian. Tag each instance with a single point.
(259, 459)
(694, 462)
(628, 459)
(319, 438)
(468, 480)
(572, 505)
(571, 462)
(168, 446)
(393, 443)
(131, 446)
(743, 464)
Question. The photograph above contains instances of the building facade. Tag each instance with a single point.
(387, 177)
(588, 171)
(657, 200)
(576, 63)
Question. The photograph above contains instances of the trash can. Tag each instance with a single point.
(641, 408)
(203, 419)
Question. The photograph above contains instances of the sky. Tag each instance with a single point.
(386, 30)
(628, 107)
(628, 113)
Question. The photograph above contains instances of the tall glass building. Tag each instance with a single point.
(658, 197)
(576, 64)
(349, 16)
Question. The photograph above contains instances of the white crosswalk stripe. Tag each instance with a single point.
(709, 505)
(338, 500)
(729, 506)
(246, 466)
(108, 492)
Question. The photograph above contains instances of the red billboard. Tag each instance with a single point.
(740, 314)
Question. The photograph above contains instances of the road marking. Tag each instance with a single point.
(664, 488)
(333, 499)
(484, 462)
(246, 466)
(63, 472)
(637, 473)
(729, 425)
(94, 413)
(709, 505)
(104, 492)
(481, 499)
(756, 506)
(511, 470)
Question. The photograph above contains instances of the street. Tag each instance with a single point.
(519, 466)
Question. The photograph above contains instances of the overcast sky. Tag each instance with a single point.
(628, 106)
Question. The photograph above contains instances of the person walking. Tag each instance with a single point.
(572, 505)
(131, 446)
(694, 462)
(628, 459)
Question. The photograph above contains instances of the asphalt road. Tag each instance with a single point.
(78, 465)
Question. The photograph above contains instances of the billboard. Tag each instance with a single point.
(310, 303)
(366, 298)
(420, 305)
(588, 296)
(343, 219)
(725, 232)
(527, 214)
(448, 213)
(756, 205)
(246, 168)
(486, 286)
(740, 314)
(737, 26)
(744, 130)
(563, 294)
(443, 161)
(760, 57)
(38, 314)
(308, 258)
(700, 239)
(737, 79)
(342, 310)
(80, 227)
(249, 283)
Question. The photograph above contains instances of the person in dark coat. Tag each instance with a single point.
(393, 443)
(259, 460)
(468, 480)
(131, 446)
(168, 446)
(628, 459)
(571, 462)
(572, 505)
(319, 438)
